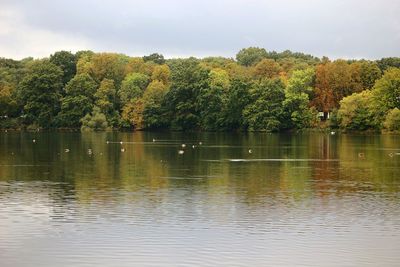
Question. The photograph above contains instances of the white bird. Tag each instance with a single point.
(66, 150)
(200, 143)
(193, 146)
(121, 142)
(180, 152)
(34, 141)
(154, 140)
(183, 145)
(108, 142)
(332, 133)
(250, 151)
(122, 149)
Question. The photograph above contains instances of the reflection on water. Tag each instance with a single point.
(71, 199)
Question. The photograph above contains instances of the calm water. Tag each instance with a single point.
(295, 200)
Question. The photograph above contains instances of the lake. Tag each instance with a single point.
(86, 199)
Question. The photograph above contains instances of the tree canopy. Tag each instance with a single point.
(259, 90)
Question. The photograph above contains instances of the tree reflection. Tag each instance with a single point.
(154, 172)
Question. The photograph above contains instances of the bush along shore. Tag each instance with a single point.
(256, 91)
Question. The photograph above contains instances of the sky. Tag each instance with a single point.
(179, 28)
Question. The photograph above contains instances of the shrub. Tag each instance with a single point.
(392, 120)
(95, 121)
(355, 112)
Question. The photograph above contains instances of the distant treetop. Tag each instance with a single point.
(155, 57)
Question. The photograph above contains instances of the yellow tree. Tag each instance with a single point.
(132, 113)
(105, 96)
(161, 73)
(104, 66)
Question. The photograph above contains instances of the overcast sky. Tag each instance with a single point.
(335, 28)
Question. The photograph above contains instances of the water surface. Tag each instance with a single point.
(72, 199)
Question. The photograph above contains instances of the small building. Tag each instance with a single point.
(323, 116)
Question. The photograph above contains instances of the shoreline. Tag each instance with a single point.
(331, 131)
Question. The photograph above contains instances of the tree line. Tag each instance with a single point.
(256, 91)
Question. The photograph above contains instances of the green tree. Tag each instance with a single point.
(250, 56)
(155, 57)
(83, 53)
(296, 103)
(73, 108)
(293, 55)
(132, 87)
(94, 121)
(153, 100)
(388, 62)
(238, 97)
(392, 120)
(370, 73)
(40, 93)
(155, 92)
(81, 84)
(356, 112)
(188, 77)
(265, 111)
(216, 62)
(299, 114)
(106, 96)
(212, 98)
(77, 102)
(67, 63)
(387, 89)
(301, 81)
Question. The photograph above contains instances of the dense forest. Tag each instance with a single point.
(257, 91)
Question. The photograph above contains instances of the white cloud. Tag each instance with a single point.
(19, 40)
(365, 28)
